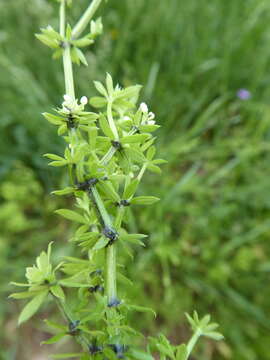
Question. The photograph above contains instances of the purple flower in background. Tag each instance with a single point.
(243, 94)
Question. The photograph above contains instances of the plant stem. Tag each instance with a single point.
(101, 208)
(142, 171)
(107, 157)
(85, 19)
(67, 315)
(62, 18)
(67, 63)
(192, 342)
(111, 290)
(68, 72)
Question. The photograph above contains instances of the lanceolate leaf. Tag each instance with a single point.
(144, 200)
(54, 339)
(71, 215)
(32, 307)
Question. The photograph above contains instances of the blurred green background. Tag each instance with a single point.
(209, 236)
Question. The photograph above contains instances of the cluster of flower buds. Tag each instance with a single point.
(71, 105)
(148, 117)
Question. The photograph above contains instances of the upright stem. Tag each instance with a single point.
(68, 72)
(67, 63)
(192, 342)
(111, 290)
(85, 19)
(62, 17)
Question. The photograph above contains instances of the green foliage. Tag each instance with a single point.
(192, 57)
(100, 150)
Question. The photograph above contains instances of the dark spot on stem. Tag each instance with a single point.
(116, 144)
(114, 302)
(110, 234)
(73, 327)
(86, 185)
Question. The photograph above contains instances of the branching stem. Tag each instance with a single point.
(111, 290)
(86, 18)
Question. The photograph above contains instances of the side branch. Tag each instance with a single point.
(86, 18)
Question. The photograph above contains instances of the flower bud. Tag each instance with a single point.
(144, 108)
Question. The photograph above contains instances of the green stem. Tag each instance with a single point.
(67, 63)
(119, 217)
(111, 288)
(101, 208)
(192, 342)
(85, 19)
(68, 72)
(107, 157)
(142, 171)
(69, 318)
(62, 16)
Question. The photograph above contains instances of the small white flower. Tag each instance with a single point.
(151, 116)
(83, 100)
(67, 98)
(144, 108)
(126, 118)
(151, 122)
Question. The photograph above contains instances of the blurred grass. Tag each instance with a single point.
(208, 246)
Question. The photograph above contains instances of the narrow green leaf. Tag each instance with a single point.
(53, 44)
(148, 128)
(100, 88)
(142, 309)
(81, 56)
(58, 291)
(98, 102)
(67, 355)
(71, 215)
(58, 163)
(153, 168)
(54, 157)
(109, 84)
(129, 92)
(150, 153)
(130, 139)
(54, 339)
(82, 42)
(53, 119)
(105, 127)
(65, 191)
(144, 200)
(214, 335)
(32, 307)
(24, 294)
(130, 189)
(107, 187)
(101, 243)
